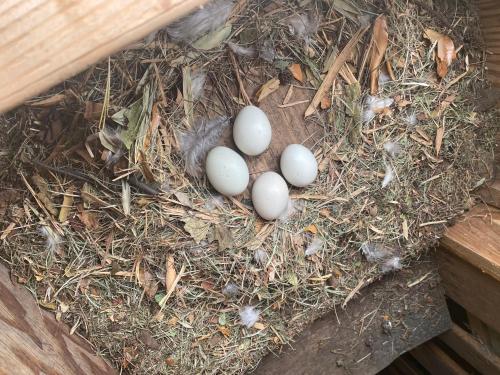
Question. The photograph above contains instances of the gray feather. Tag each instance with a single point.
(206, 19)
(195, 144)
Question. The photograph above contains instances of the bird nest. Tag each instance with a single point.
(109, 219)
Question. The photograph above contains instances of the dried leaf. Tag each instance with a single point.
(207, 285)
(7, 231)
(267, 89)
(325, 102)
(126, 197)
(445, 55)
(311, 228)
(147, 281)
(380, 40)
(213, 39)
(439, 139)
(152, 128)
(297, 73)
(43, 194)
(260, 326)
(242, 51)
(346, 8)
(224, 237)
(48, 102)
(225, 331)
(405, 229)
(432, 35)
(334, 70)
(171, 273)
(66, 204)
(89, 219)
(198, 229)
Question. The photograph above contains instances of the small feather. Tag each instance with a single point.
(242, 51)
(230, 289)
(373, 105)
(249, 315)
(314, 246)
(392, 148)
(267, 52)
(391, 264)
(303, 26)
(195, 144)
(411, 118)
(53, 240)
(260, 256)
(375, 252)
(389, 176)
(206, 19)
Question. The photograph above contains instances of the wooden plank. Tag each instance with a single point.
(476, 239)
(491, 193)
(32, 342)
(471, 350)
(43, 42)
(474, 290)
(351, 341)
(436, 361)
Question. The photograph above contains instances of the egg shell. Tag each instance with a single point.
(252, 131)
(270, 195)
(298, 165)
(227, 171)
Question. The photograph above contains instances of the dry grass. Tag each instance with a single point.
(107, 278)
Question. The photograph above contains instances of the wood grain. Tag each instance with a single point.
(347, 342)
(32, 342)
(474, 290)
(43, 42)
(475, 353)
(436, 361)
(476, 239)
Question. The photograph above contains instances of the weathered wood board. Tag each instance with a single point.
(32, 342)
(354, 341)
(43, 42)
(476, 239)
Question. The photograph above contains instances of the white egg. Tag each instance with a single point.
(270, 195)
(227, 171)
(298, 165)
(252, 131)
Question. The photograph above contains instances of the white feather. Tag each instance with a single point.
(303, 26)
(53, 240)
(315, 245)
(389, 176)
(373, 105)
(411, 118)
(260, 256)
(208, 18)
(391, 264)
(249, 315)
(392, 148)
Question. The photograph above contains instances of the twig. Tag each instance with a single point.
(334, 70)
(240, 82)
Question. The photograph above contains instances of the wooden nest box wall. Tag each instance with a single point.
(43, 42)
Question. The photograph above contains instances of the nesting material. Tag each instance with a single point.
(146, 243)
